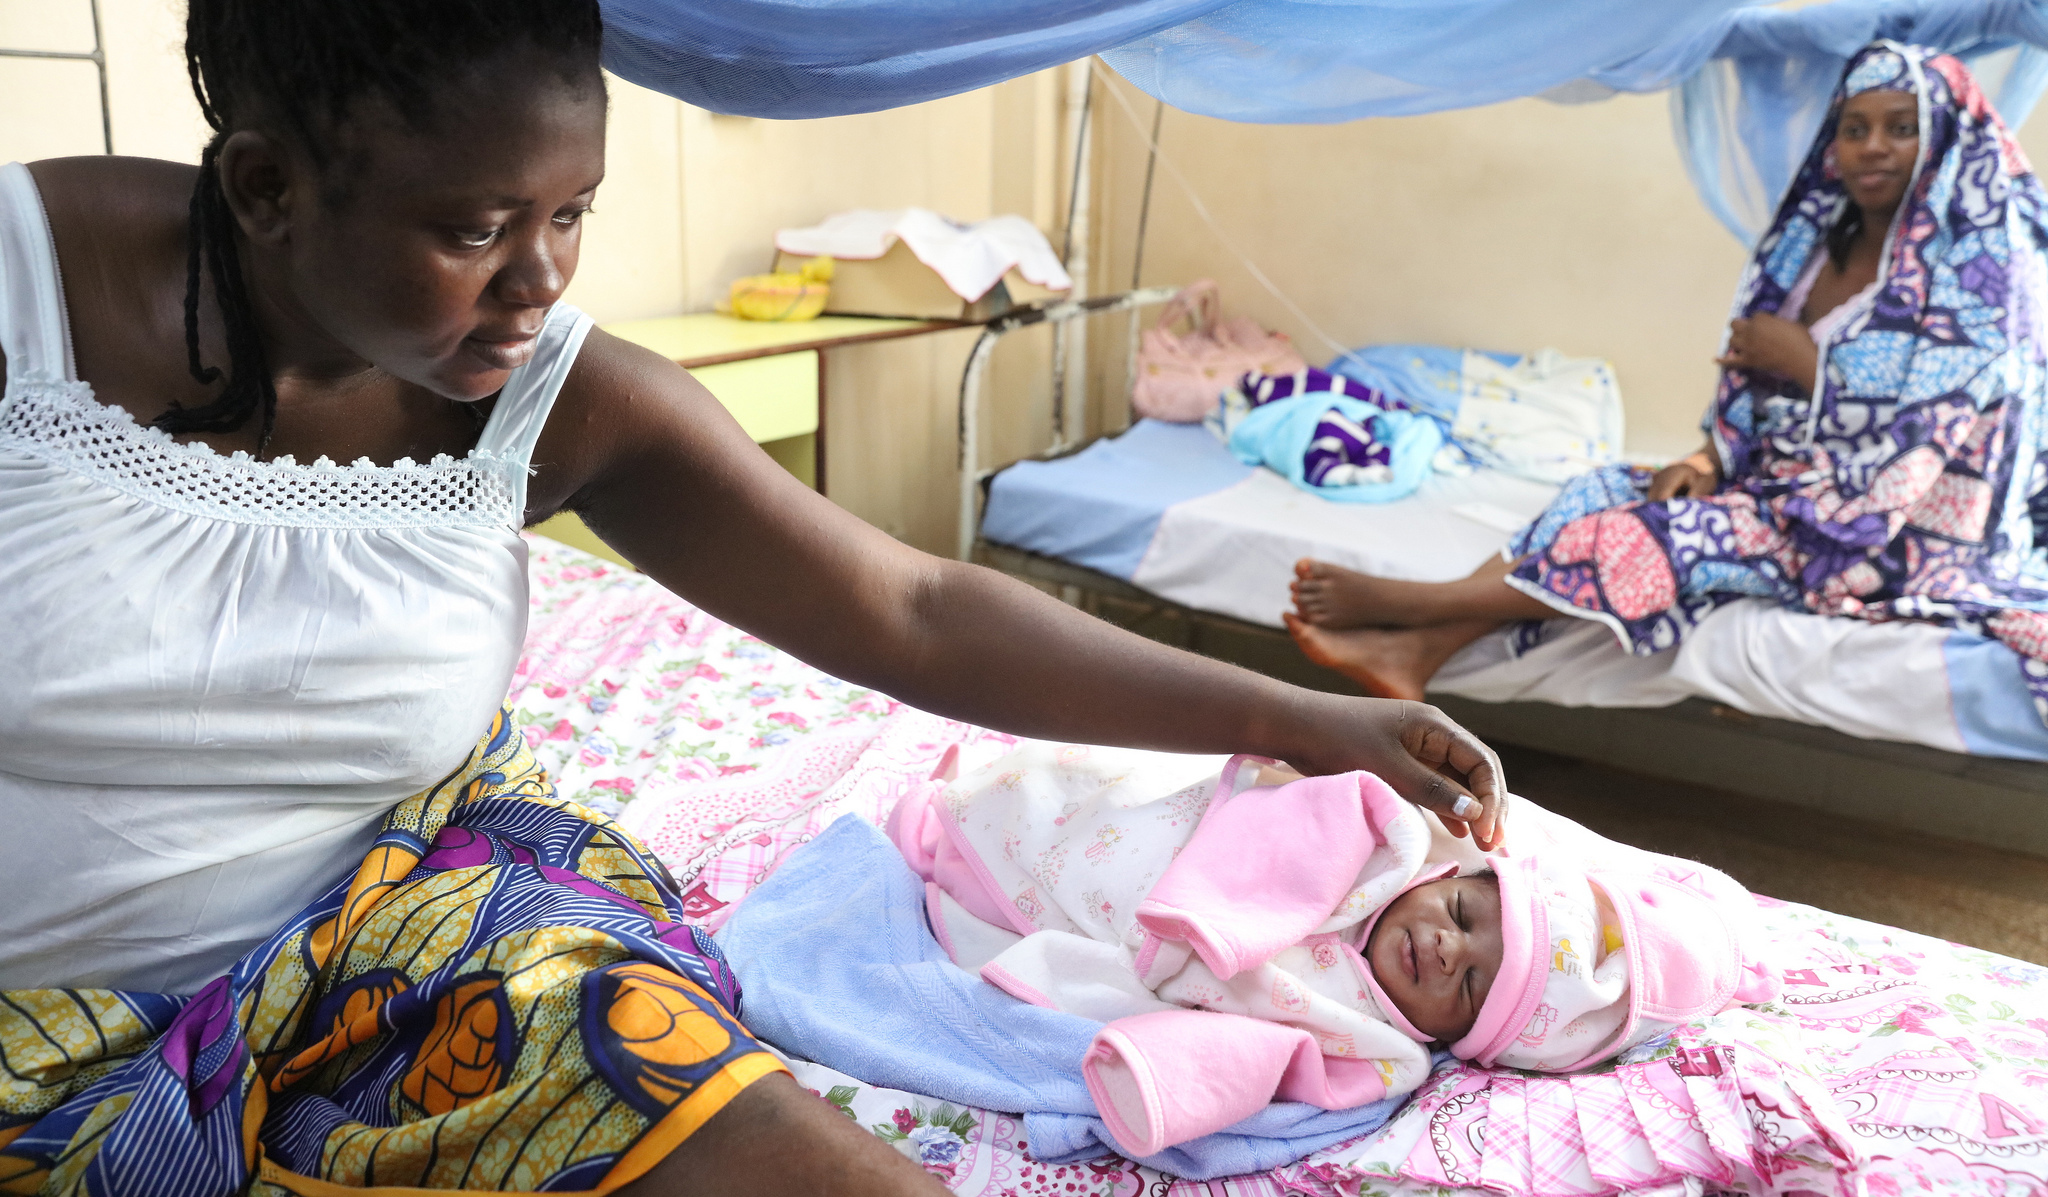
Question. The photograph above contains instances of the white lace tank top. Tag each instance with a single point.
(217, 674)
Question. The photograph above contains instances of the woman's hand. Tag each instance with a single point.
(1694, 478)
(1419, 751)
(1771, 344)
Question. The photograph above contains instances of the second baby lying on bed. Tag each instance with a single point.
(1247, 934)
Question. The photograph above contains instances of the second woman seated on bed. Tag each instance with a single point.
(1875, 445)
(1304, 938)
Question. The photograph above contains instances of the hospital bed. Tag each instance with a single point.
(1896, 1062)
(1162, 529)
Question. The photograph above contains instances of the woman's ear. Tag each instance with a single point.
(263, 185)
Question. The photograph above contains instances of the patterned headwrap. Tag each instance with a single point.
(1906, 487)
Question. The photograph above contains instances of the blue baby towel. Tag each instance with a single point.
(839, 966)
(1301, 436)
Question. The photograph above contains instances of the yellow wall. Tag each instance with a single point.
(1511, 227)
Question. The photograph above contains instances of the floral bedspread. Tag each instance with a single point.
(1893, 1064)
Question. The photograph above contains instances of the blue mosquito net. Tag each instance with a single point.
(1278, 61)
(1750, 83)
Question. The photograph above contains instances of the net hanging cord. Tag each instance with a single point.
(1202, 210)
(1145, 203)
(1074, 185)
(1060, 332)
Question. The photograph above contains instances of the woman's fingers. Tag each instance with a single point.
(1421, 753)
(1673, 481)
(1738, 344)
(1458, 776)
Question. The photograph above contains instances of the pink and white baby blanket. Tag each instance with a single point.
(1074, 877)
(1217, 927)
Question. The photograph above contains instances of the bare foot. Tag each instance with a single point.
(1388, 662)
(1330, 596)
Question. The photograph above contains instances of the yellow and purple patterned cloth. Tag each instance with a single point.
(504, 996)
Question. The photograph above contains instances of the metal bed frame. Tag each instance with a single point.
(972, 475)
(97, 56)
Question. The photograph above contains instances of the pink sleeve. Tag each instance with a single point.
(1266, 868)
(922, 830)
(1166, 1078)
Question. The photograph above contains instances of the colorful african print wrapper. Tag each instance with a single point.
(502, 997)
(1913, 484)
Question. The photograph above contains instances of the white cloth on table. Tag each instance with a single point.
(222, 672)
(972, 258)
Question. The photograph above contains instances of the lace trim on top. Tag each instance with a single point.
(60, 422)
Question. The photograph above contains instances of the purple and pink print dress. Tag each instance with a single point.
(1913, 484)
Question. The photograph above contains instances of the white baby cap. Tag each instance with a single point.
(1586, 976)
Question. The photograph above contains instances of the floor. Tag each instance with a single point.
(1962, 892)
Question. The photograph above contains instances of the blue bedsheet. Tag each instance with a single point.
(1101, 506)
(838, 966)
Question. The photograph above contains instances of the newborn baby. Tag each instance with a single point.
(1435, 951)
(1306, 938)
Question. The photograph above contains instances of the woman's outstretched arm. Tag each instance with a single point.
(664, 474)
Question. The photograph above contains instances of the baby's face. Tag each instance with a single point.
(1435, 952)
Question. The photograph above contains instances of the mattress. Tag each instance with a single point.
(1168, 509)
(1894, 1062)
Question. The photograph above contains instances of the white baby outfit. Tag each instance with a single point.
(1077, 839)
(220, 673)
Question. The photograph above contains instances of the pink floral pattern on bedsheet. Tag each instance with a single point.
(1895, 1064)
(719, 752)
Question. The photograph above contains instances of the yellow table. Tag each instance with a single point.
(769, 374)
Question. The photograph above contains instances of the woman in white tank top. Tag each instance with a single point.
(269, 433)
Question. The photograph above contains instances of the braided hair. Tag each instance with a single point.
(300, 64)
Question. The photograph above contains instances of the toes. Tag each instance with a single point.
(1309, 638)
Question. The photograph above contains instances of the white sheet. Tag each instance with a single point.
(1233, 552)
(1884, 681)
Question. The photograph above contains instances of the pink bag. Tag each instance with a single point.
(1180, 377)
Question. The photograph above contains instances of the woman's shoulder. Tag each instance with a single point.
(107, 212)
(104, 188)
(118, 227)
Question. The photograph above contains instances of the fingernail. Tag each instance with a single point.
(1466, 808)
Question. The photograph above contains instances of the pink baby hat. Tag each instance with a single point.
(1579, 982)
(1518, 985)
(1695, 946)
